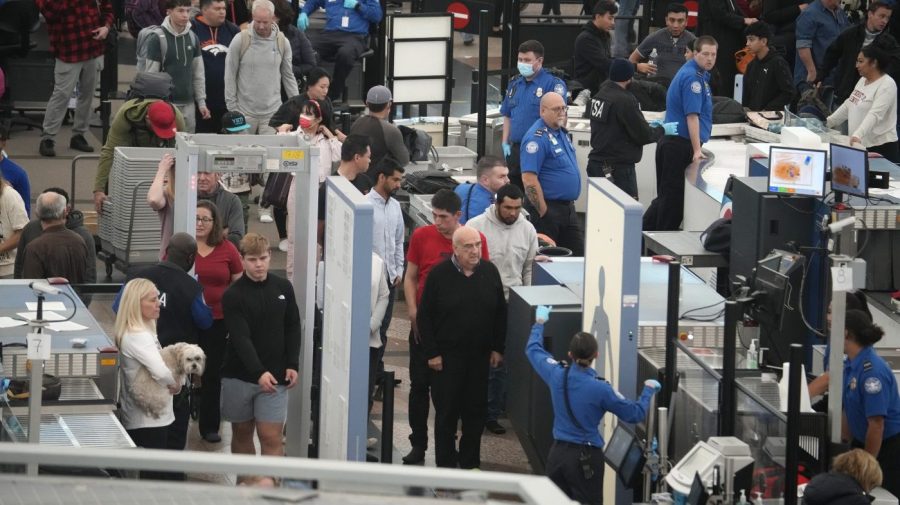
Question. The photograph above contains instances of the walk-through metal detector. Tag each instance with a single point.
(265, 154)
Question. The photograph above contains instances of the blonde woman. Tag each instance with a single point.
(161, 198)
(135, 334)
(853, 476)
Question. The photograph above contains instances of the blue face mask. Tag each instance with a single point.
(526, 69)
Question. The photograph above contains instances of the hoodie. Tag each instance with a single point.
(214, 44)
(834, 489)
(512, 246)
(74, 222)
(182, 61)
(592, 56)
(253, 81)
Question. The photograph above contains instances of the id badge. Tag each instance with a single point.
(345, 21)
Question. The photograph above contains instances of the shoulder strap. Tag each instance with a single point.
(566, 398)
(469, 201)
(280, 41)
(163, 47)
(245, 44)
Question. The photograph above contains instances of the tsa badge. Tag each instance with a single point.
(539, 92)
(853, 384)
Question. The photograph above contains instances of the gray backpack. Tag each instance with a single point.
(143, 43)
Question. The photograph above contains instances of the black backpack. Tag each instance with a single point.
(417, 142)
(717, 237)
(428, 182)
(151, 85)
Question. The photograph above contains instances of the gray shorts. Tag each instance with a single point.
(244, 401)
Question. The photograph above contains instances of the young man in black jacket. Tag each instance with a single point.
(768, 82)
(618, 129)
(593, 46)
(841, 54)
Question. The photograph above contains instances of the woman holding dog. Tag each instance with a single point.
(135, 334)
(217, 264)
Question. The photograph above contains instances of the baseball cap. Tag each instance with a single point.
(621, 70)
(162, 119)
(378, 95)
(234, 122)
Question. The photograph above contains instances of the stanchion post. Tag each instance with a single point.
(387, 418)
(671, 332)
(792, 451)
(484, 27)
(727, 392)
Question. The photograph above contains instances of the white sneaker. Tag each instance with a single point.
(282, 246)
(371, 443)
(265, 215)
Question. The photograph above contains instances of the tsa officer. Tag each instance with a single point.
(871, 400)
(550, 175)
(521, 105)
(688, 103)
(618, 129)
(580, 399)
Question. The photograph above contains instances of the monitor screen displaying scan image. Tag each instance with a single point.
(794, 171)
(849, 170)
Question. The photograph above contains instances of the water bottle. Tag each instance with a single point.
(653, 56)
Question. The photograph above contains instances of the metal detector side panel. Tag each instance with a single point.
(611, 284)
(345, 331)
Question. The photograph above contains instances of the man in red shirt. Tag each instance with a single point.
(77, 30)
(428, 246)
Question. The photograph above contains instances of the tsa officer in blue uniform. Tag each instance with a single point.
(688, 103)
(871, 399)
(580, 399)
(521, 105)
(551, 177)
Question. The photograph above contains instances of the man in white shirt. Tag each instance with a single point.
(512, 243)
(387, 237)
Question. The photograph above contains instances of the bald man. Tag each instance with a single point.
(462, 326)
(551, 177)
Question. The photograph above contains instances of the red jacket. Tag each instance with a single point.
(70, 23)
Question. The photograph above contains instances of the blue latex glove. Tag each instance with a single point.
(507, 150)
(303, 22)
(653, 384)
(542, 313)
(655, 122)
(350, 4)
(670, 128)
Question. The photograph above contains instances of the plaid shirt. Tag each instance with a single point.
(69, 24)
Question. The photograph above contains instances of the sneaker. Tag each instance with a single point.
(494, 427)
(79, 143)
(213, 437)
(416, 456)
(265, 215)
(46, 148)
(371, 442)
(282, 246)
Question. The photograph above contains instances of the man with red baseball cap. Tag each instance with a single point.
(139, 123)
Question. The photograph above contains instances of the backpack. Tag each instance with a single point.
(142, 13)
(151, 85)
(143, 44)
(417, 142)
(717, 237)
(280, 41)
(727, 110)
(428, 182)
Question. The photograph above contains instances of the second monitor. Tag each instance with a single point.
(849, 171)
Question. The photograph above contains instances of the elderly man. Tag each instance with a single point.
(492, 174)
(229, 205)
(513, 243)
(551, 177)
(58, 252)
(462, 326)
(257, 67)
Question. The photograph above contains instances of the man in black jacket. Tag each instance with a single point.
(768, 82)
(618, 129)
(841, 54)
(723, 20)
(593, 54)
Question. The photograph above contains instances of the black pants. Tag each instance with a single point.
(889, 459)
(561, 224)
(673, 155)
(622, 175)
(280, 216)
(460, 394)
(344, 49)
(564, 469)
(151, 438)
(551, 6)
(373, 373)
(890, 150)
(385, 324)
(515, 165)
(212, 341)
(213, 124)
(176, 438)
(419, 394)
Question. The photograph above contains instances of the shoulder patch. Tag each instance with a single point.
(696, 87)
(531, 147)
(558, 89)
(872, 385)
(552, 361)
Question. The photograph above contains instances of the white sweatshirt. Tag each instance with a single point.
(140, 348)
(870, 112)
(380, 297)
(512, 247)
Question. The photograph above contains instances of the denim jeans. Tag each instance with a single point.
(620, 47)
(496, 392)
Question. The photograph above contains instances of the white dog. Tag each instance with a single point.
(182, 359)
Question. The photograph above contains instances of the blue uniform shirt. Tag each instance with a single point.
(475, 199)
(689, 93)
(589, 395)
(549, 153)
(522, 103)
(358, 19)
(870, 389)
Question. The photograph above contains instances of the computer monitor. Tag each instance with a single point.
(795, 171)
(849, 171)
(624, 454)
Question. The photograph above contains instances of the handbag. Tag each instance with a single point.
(275, 193)
(742, 59)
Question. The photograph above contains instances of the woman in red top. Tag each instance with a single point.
(217, 265)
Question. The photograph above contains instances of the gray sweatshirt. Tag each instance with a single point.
(253, 81)
(183, 61)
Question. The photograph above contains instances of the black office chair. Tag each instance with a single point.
(18, 18)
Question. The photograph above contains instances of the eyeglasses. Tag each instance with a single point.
(204, 220)
(560, 110)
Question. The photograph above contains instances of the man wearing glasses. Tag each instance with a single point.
(550, 176)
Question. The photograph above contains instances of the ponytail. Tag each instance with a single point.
(861, 329)
(583, 348)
